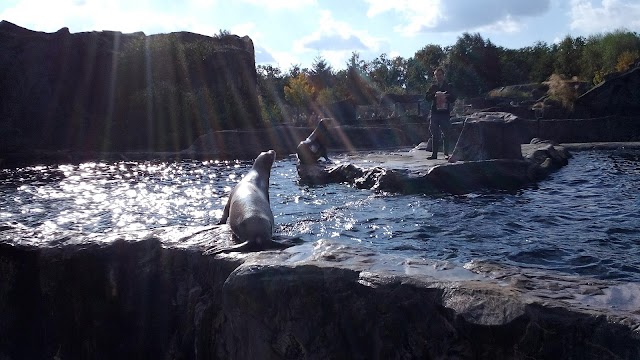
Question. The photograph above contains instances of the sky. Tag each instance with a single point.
(299, 32)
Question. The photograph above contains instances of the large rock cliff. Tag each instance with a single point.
(109, 91)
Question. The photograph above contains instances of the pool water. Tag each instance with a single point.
(582, 220)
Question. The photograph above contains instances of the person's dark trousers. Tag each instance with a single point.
(439, 123)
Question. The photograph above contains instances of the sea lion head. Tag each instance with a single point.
(264, 161)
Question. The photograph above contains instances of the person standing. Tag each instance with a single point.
(442, 98)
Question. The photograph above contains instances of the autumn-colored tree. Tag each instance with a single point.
(299, 93)
(626, 60)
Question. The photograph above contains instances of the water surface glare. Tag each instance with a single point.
(582, 220)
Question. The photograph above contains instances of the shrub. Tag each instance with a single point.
(563, 91)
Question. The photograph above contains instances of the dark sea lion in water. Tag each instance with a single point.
(248, 210)
(315, 146)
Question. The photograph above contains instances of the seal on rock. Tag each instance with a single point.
(248, 210)
(315, 146)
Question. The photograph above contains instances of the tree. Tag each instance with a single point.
(387, 74)
(430, 57)
(354, 82)
(416, 75)
(568, 55)
(321, 75)
(540, 60)
(299, 93)
(613, 44)
(222, 33)
(473, 65)
(515, 66)
(602, 53)
(271, 83)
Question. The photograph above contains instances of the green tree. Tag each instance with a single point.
(430, 57)
(271, 83)
(354, 82)
(473, 65)
(514, 69)
(416, 76)
(540, 60)
(568, 55)
(387, 74)
(602, 53)
(321, 74)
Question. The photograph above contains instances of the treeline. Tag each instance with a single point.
(474, 66)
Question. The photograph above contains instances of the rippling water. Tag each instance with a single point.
(582, 220)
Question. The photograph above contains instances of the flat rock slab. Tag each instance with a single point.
(142, 290)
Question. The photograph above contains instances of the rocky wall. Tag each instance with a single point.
(150, 296)
(110, 91)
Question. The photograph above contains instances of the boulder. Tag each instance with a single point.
(490, 135)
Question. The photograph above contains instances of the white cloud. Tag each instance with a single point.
(281, 4)
(334, 35)
(610, 15)
(335, 41)
(418, 14)
(508, 25)
(458, 15)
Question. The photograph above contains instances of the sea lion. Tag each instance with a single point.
(248, 210)
(315, 146)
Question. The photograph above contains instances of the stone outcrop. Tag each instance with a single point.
(490, 135)
(108, 91)
(156, 294)
(616, 96)
(488, 155)
(454, 178)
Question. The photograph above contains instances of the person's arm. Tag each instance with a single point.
(431, 93)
